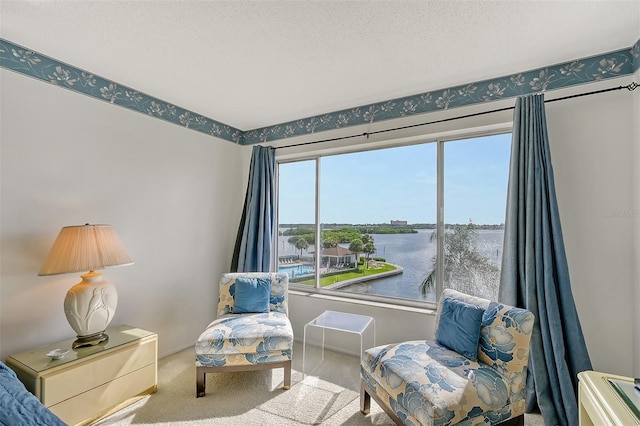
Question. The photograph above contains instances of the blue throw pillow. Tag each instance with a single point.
(252, 295)
(459, 327)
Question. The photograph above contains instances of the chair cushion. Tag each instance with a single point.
(504, 335)
(279, 290)
(505, 332)
(251, 295)
(242, 339)
(436, 385)
(459, 327)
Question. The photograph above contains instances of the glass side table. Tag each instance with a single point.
(340, 321)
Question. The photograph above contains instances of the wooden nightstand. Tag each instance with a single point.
(91, 382)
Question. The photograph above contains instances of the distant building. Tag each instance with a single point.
(398, 223)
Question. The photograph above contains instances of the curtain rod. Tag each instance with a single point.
(630, 87)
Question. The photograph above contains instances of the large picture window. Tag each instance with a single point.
(366, 224)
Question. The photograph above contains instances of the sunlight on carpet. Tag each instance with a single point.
(328, 397)
(319, 403)
(249, 398)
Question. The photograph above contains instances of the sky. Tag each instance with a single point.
(400, 184)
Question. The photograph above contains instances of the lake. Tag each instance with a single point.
(414, 253)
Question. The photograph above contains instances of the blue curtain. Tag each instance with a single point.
(535, 274)
(252, 252)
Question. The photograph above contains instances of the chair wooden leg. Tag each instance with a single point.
(201, 373)
(287, 376)
(366, 394)
(365, 399)
(516, 421)
(201, 384)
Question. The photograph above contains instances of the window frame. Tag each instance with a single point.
(297, 155)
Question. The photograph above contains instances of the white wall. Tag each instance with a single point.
(173, 196)
(592, 152)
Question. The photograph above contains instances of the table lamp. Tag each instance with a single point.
(91, 304)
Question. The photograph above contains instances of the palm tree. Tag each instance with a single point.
(356, 246)
(369, 247)
(301, 243)
(465, 268)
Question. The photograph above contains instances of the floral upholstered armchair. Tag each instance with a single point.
(252, 331)
(474, 372)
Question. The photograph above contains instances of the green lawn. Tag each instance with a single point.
(350, 274)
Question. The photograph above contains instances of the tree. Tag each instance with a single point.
(368, 246)
(329, 241)
(309, 238)
(366, 239)
(369, 249)
(301, 243)
(466, 269)
(357, 247)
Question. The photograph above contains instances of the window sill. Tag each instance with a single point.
(390, 306)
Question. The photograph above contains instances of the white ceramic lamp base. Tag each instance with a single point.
(90, 306)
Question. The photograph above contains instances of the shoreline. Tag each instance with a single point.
(399, 270)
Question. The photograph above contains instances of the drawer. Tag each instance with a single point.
(94, 372)
(98, 401)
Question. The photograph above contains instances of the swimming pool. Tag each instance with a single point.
(296, 270)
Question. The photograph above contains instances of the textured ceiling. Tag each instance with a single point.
(257, 63)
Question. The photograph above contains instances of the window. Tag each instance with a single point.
(374, 215)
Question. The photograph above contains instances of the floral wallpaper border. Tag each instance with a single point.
(41, 67)
(601, 67)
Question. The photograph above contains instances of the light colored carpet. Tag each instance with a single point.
(328, 396)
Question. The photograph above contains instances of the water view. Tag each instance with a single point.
(413, 252)
(395, 189)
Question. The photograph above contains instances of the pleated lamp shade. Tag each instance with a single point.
(85, 248)
(91, 304)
